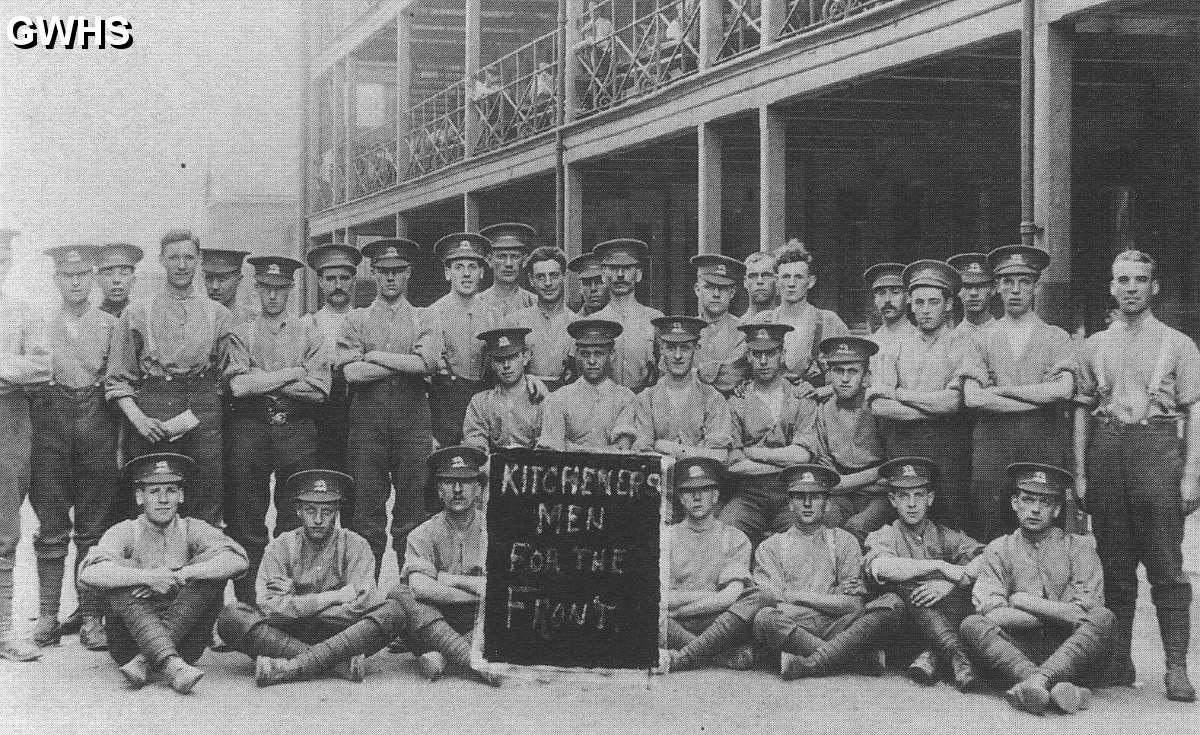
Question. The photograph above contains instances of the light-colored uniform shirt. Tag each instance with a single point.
(723, 349)
(163, 336)
(459, 328)
(707, 559)
(79, 346)
(755, 424)
(297, 343)
(1062, 567)
(966, 328)
(928, 542)
(826, 561)
(633, 353)
(437, 546)
(921, 364)
(140, 544)
(886, 336)
(990, 360)
(500, 418)
(293, 570)
(330, 323)
(24, 346)
(580, 415)
(844, 437)
(240, 314)
(799, 345)
(700, 419)
(505, 304)
(1139, 373)
(548, 341)
(396, 328)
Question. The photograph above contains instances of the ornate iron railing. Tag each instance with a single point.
(740, 28)
(373, 161)
(621, 60)
(437, 132)
(516, 96)
(807, 15)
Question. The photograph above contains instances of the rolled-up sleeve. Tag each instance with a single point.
(643, 421)
(113, 547)
(29, 363)
(991, 586)
(1087, 575)
(849, 564)
(626, 423)
(206, 543)
(275, 588)
(419, 554)
(768, 569)
(718, 424)
(124, 374)
(351, 340)
(736, 547)
(880, 544)
(317, 369)
(429, 343)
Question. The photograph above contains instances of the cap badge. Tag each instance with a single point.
(808, 477)
(719, 269)
(974, 267)
(273, 269)
(695, 471)
(1018, 258)
(464, 245)
(1040, 476)
(763, 334)
(391, 252)
(162, 468)
(458, 462)
(909, 471)
(73, 256)
(504, 342)
(321, 486)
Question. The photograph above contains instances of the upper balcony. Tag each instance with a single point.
(482, 77)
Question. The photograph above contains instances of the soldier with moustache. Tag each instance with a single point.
(223, 277)
(978, 288)
(509, 414)
(721, 358)
(117, 262)
(593, 413)
(548, 342)
(886, 283)
(335, 266)
(74, 460)
(278, 372)
(510, 241)
(635, 359)
(459, 316)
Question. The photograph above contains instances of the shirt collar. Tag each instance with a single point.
(169, 529)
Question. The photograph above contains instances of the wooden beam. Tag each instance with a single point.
(771, 20)
(708, 197)
(400, 225)
(772, 171)
(1052, 49)
(356, 34)
(711, 31)
(573, 211)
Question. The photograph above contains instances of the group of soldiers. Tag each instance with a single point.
(842, 500)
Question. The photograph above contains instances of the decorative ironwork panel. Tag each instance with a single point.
(629, 50)
(807, 15)
(436, 136)
(516, 96)
(373, 162)
(740, 28)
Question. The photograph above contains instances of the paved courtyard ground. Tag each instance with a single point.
(72, 690)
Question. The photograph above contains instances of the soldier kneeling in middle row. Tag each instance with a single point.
(318, 607)
(820, 624)
(712, 601)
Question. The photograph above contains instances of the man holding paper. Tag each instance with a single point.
(166, 359)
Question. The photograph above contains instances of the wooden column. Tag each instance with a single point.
(470, 212)
(401, 225)
(1053, 53)
(708, 198)
(771, 20)
(711, 31)
(337, 173)
(573, 211)
(349, 78)
(403, 90)
(772, 172)
(570, 69)
(471, 72)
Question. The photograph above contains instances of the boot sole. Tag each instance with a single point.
(1021, 699)
(134, 679)
(1070, 698)
(187, 683)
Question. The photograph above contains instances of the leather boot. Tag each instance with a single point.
(265, 639)
(1070, 698)
(1000, 655)
(182, 675)
(92, 634)
(268, 671)
(1119, 670)
(939, 631)
(718, 638)
(136, 672)
(1085, 644)
(1175, 626)
(923, 669)
(677, 636)
(441, 638)
(367, 636)
(1029, 695)
(845, 648)
(50, 581)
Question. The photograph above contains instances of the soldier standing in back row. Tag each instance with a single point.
(279, 371)
(635, 361)
(1137, 458)
(510, 242)
(593, 292)
(1016, 372)
(74, 459)
(918, 393)
(721, 359)
(117, 263)
(886, 283)
(387, 350)
(548, 342)
(335, 266)
(222, 278)
(976, 293)
(794, 279)
(759, 282)
(168, 356)
(459, 316)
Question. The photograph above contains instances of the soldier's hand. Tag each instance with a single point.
(536, 388)
(151, 429)
(1189, 490)
(803, 389)
(348, 594)
(161, 581)
(707, 371)
(932, 592)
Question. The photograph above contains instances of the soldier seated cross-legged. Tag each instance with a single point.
(442, 578)
(318, 607)
(161, 576)
(1041, 624)
(931, 567)
(712, 599)
(821, 623)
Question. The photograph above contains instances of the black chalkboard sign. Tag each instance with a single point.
(572, 559)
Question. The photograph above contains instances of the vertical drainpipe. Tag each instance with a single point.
(1029, 228)
(560, 119)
